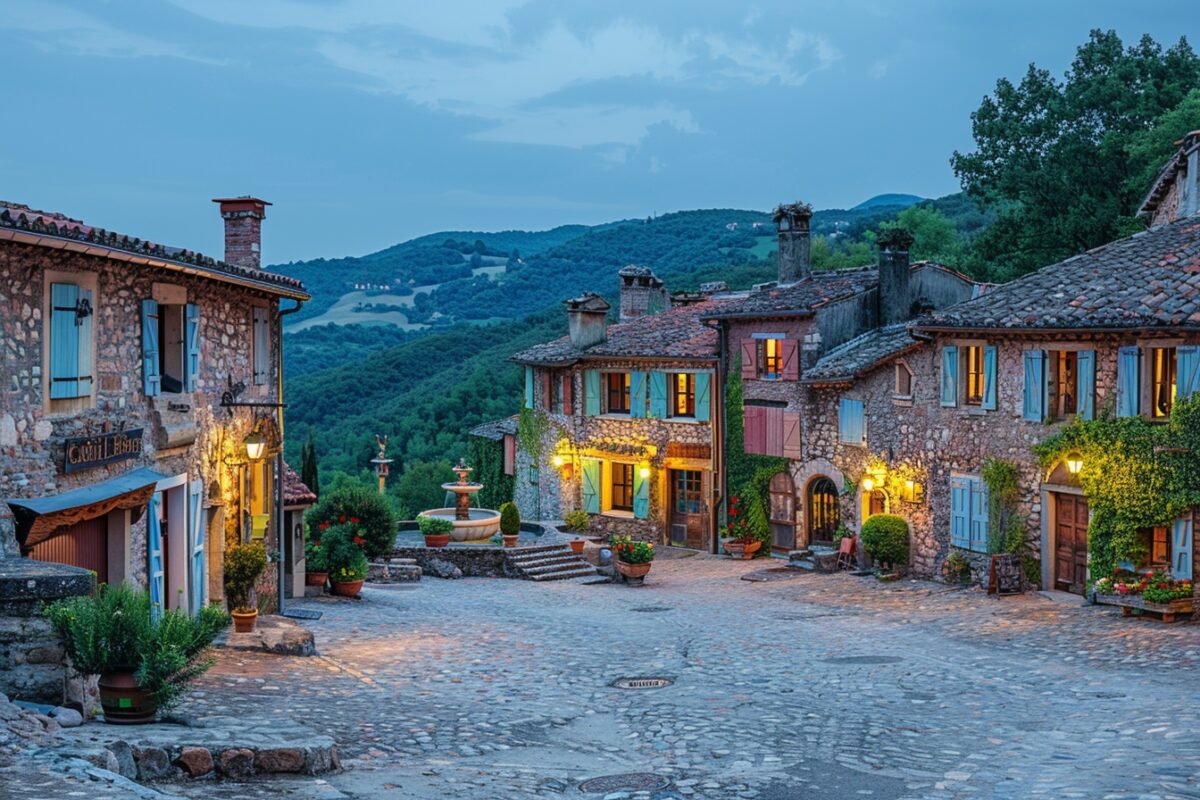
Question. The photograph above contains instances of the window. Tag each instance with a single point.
(568, 394)
(1063, 379)
(622, 486)
(823, 514)
(771, 431)
(70, 343)
(969, 376)
(770, 359)
(972, 358)
(852, 427)
(968, 513)
(903, 387)
(617, 392)
(171, 342)
(1163, 386)
(683, 394)
(262, 351)
(687, 491)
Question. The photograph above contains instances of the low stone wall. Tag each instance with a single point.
(475, 561)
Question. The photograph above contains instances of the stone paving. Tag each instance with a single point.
(807, 686)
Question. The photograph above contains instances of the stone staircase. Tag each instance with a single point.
(814, 559)
(552, 562)
(393, 570)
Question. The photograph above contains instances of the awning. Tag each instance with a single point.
(41, 518)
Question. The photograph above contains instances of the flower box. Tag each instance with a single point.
(1129, 602)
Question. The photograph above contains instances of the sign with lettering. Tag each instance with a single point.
(86, 452)
(1006, 575)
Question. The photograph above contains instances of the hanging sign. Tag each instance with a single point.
(86, 452)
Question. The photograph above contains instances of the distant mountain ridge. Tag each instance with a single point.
(894, 200)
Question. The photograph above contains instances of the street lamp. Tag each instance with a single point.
(255, 444)
(1074, 462)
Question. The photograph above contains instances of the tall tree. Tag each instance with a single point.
(1051, 156)
(309, 473)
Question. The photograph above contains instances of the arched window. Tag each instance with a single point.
(822, 506)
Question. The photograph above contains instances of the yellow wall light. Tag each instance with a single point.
(868, 484)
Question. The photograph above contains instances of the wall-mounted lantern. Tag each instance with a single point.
(644, 471)
(557, 461)
(255, 444)
(1074, 461)
(868, 484)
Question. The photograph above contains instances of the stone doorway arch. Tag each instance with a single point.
(822, 510)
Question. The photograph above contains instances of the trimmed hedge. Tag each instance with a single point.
(885, 537)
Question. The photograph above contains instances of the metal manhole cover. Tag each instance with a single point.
(863, 660)
(636, 781)
(652, 609)
(641, 683)
(300, 613)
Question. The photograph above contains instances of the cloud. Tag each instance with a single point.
(66, 30)
(878, 70)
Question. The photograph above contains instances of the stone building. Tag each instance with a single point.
(627, 417)
(140, 392)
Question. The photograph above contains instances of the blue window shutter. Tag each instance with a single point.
(949, 376)
(658, 395)
(641, 494)
(199, 572)
(191, 317)
(64, 341)
(529, 387)
(1128, 381)
(703, 396)
(591, 393)
(637, 394)
(979, 516)
(591, 486)
(151, 379)
(1181, 550)
(1188, 378)
(960, 514)
(1034, 400)
(989, 379)
(1085, 372)
(851, 425)
(86, 328)
(154, 548)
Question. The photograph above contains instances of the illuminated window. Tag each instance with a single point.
(683, 392)
(770, 358)
(972, 358)
(1162, 360)
(622, 486)
(617, 384)
(1064, 377)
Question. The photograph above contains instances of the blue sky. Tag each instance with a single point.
(367, 122)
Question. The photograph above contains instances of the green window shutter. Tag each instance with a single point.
(641, 494)
(529, 387)
(1085, 379)
(191, 315)
(703, 396)
(637, 394)
(151, 379)
(1033, 402)
(591, 393)
(960, 513)
(591, 486)
(64, 341)
(989, 379)
(949, 387)
(1128, 381)
(1188, 377)
(658, 395)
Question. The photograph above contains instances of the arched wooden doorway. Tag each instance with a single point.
(823, 515)
(783, 512)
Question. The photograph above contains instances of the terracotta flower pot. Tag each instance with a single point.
(437, 539)
(347, 588)
(633, 570)
(315, 578)
(510, 540)
(742, 551)
(243, 621)
(577, 546)
(123, 701)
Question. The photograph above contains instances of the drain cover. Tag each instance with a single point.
(651, 609)
(643, 781)
(863, 660)
(300, 613)
(641, 683)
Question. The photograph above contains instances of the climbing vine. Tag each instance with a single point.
(745, 472)
(487, 457)
(1006, 526)
(1136, 474)
(531, 433)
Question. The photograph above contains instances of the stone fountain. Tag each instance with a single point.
(470, 524)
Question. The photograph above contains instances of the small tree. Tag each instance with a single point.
(368, 510)
(309, 472)
(243, 566)
(885, 537)
(510, 519)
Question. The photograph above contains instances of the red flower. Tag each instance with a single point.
(317, 543)
(342, 518)
(354, 520)
(323, 525)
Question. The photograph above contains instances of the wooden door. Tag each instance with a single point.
(689, 520)
(783, 512)
(1070, 542)
(822, 511)
(84, 544)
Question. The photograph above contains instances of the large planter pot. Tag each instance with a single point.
(1129, 602)
(315, 578)
(123, 701)
(633, 570)
(577, 546)
(347, 588)
(437, 539)
(742, 551)
(510, 540)
(243, 621)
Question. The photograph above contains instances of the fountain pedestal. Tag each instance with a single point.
(470, 524)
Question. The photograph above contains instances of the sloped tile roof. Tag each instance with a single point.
(496, 429)
(1148, 280)
(295, 492)
(803, 297)
(861, 354)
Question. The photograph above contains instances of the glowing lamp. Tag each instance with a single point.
(1074, 463)
(255, 444)
(868, 484)
(557, 461)
(644, 472)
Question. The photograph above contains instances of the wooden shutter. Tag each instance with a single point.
(568, 394)
(151, 379)
(529, 387)
(192, 334)
(658, 395)
(548, 390)
(155, 553)
(641, 494)
(989, 379)
(591, 486)
(86, 328)
(1033, 401)
(195, 521)
(1187, 379)
(851, 422)
(591, 393)
(637, 395)
(791, 435)
(1085, 379)
(791, 362)
(949, 392)
(753, 432)
(749, 359)
(262, 345)
(979, 516)
(1128, 381)
(64, 341)
(960, 513)
(510, 454)
(703, 396)
(1181, 550)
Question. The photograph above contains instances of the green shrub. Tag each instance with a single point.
(244, 564)
(578, 521)
(510, 519)
(885, 537)
(630, 550)
(172, 656)
(344, 553)
(316, 554)
(360, 506)
(435, 526)
(956, 568)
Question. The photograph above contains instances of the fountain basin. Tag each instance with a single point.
(481, 523)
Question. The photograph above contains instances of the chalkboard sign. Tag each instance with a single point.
(1006, 575)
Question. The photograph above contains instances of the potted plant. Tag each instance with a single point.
(347, 563)
(633, 558)
(745, 532)
(885, 538)
(365, 508)
(144, 663)
(244, 564)
(436, 530)
(1153, 591)
(578, 521)
(316, 559)
(510, 523)
(577, 546)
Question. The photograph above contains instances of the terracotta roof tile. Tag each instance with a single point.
(295, 492)
(860, 355)
(496, 429)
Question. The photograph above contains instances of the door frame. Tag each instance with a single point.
(176, 542)
(706, 480)
(791, 493)
(1049, 528)
(808, 515)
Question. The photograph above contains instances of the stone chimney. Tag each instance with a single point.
(587, 320)
(895, 299)
(243, 230)
(1176, 192)
(642, 293)
(795, 244)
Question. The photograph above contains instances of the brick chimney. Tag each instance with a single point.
(243, 230)
(587, 320)
(795, 245)
(895, 298)
(642, 293)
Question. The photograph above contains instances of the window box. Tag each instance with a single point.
(1128, 603)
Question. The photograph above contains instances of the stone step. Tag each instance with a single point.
(798, 555)
(560, 558)
(558, 566)
(541, 555)
(580, 570)
(802, 563)
(397, 561)
(393, 571)
(519, 552)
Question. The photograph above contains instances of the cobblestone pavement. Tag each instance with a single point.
(798, 686)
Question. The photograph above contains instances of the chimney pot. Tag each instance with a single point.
(795, 245)
(642, 293)
(587, 320)
(243, 229)
(895, 296)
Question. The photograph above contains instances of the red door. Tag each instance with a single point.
(1070, 542)
(84, 544)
